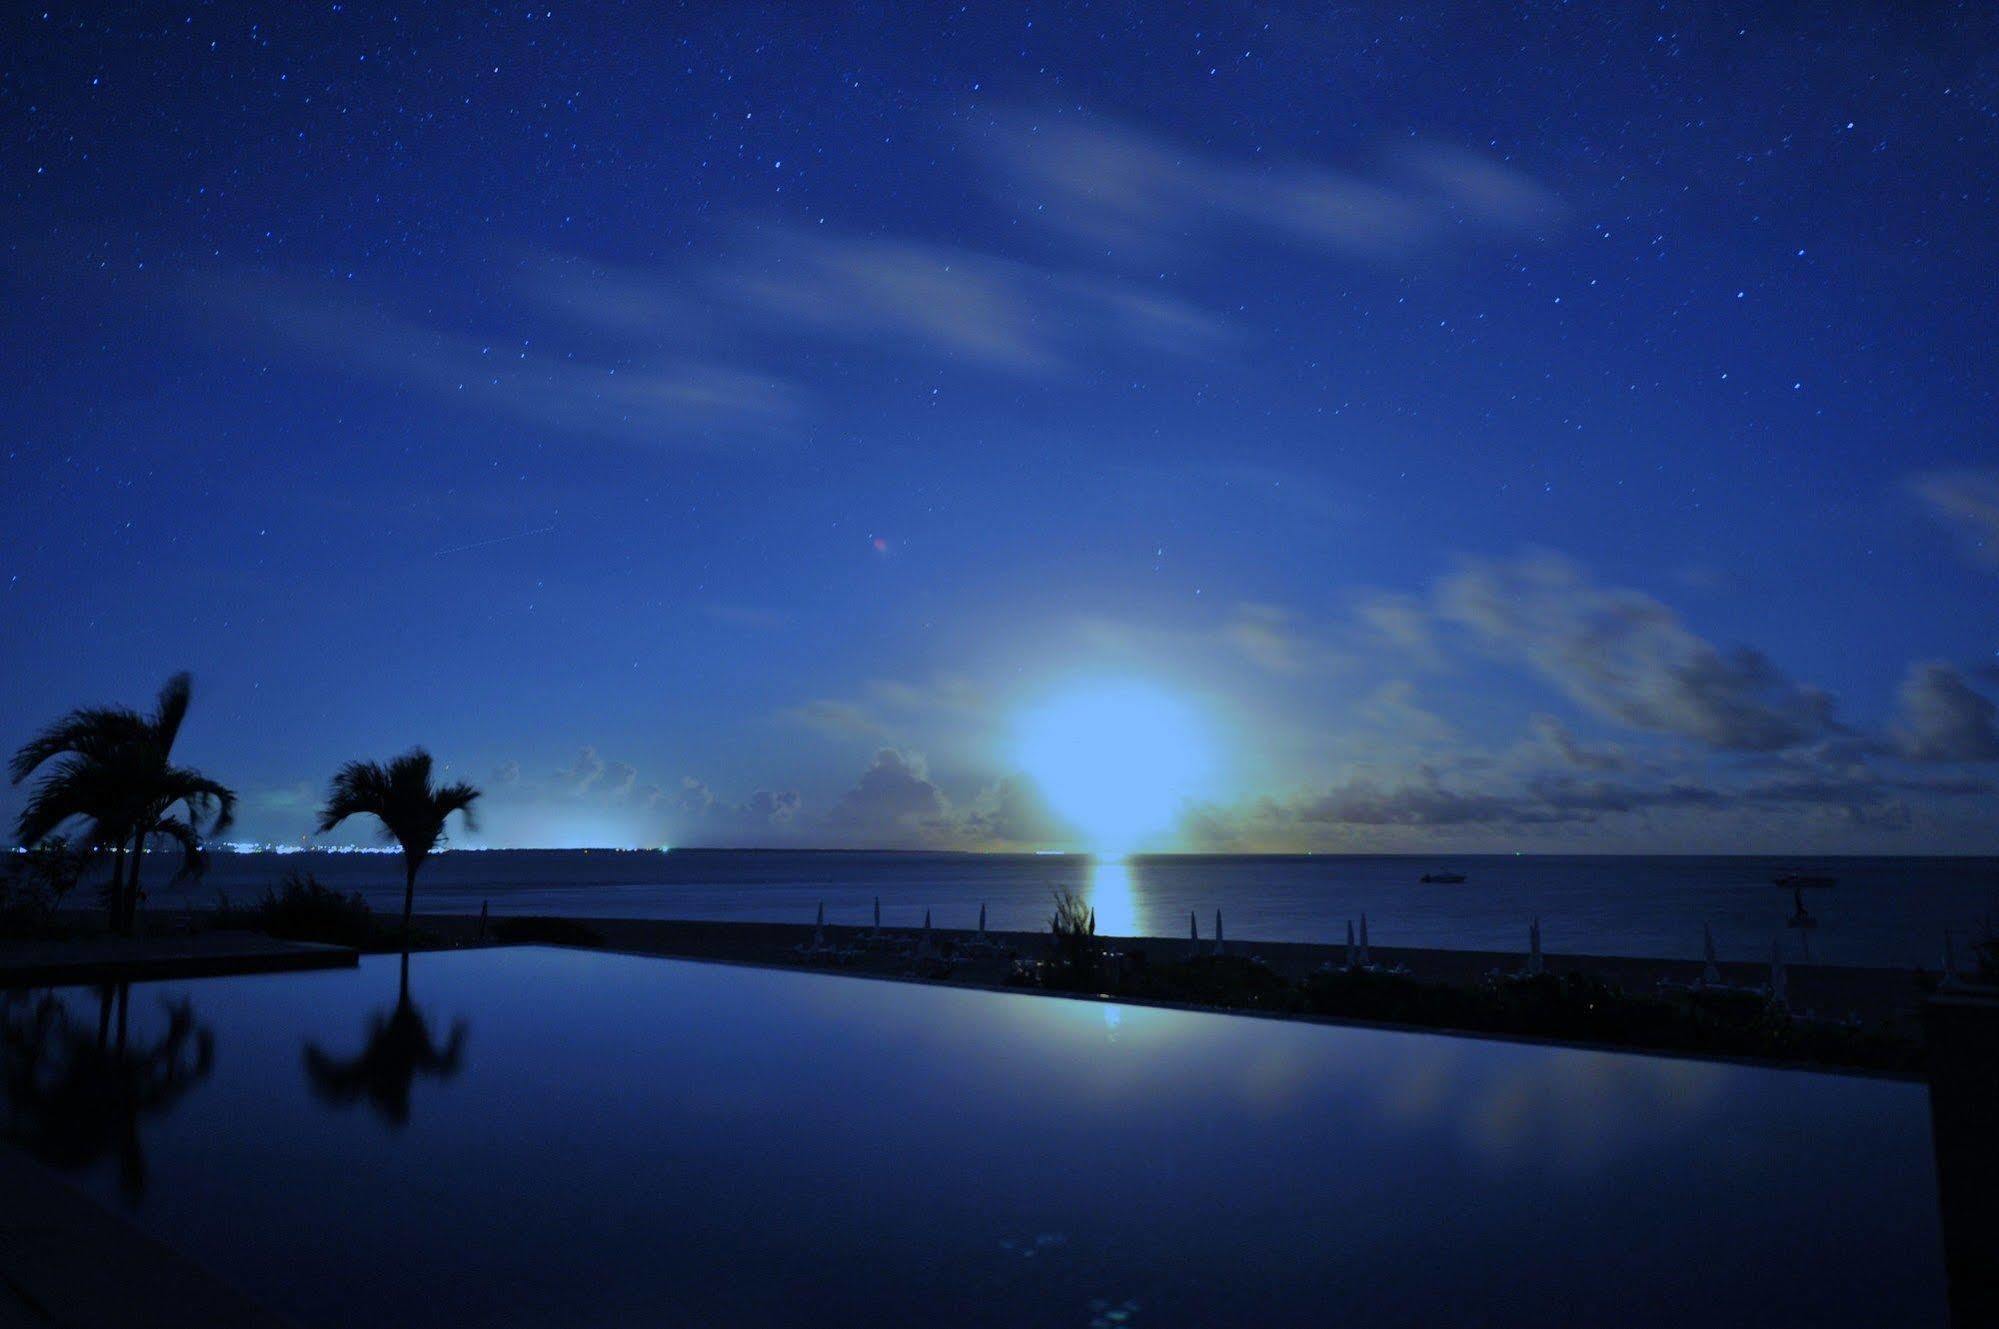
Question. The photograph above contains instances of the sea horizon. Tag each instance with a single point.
(1888, 910)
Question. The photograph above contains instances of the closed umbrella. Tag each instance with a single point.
(1710, 975)
(1364, 958)
(1219, 942)
(1534, 947)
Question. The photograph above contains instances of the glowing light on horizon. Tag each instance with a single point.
(1112, 897)
(1116, 760)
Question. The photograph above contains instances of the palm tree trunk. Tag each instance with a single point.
(116, 897)
(409, 899)
(130, 908)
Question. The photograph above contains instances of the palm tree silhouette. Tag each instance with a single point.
(412, 810)
(111, 770)
(72, 1097)
(399, 1047)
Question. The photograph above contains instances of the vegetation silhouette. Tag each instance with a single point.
(399, 1047)
(34, 885)
(410, 808)
(75, 1095)
(110, 770)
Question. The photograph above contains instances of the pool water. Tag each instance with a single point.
(544, 1136)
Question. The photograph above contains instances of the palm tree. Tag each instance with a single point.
(110, 769)
(412, 810)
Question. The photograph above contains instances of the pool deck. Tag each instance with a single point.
(66, 1260)
(100, 958)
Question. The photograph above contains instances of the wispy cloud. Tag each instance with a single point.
(1968, 502)
(1627, 657)
(1942, 719)
(956, 303)
(637, 397)
(1125, 187)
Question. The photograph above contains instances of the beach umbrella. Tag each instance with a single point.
(878, 913)
(926, 920)
(1193, 927)
(1351, 961)
(1710, 976)
(1219, 942)
(1093, 920)
(1364, 958)
(982, 918)
(1534, 947)
(1780, 990)
(819, 927)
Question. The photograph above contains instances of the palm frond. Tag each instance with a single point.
(75, 790)
(194, 859)
(400, 796)
(91, 731)
(458, 797)
(170, 709)
(201, 796)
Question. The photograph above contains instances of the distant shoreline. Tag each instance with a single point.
(1784, 859)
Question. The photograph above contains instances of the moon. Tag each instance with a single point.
(1117, 759)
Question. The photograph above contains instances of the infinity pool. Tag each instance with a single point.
(549, 1137)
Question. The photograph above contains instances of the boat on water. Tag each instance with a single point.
(1796, 880)
(1444, 878)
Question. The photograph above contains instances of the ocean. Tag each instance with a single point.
(1883, 911)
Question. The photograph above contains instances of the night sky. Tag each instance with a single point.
(1538, 427)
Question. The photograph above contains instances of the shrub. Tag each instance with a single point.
(304, 910)
(34, 884)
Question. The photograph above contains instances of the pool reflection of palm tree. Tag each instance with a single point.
(400, 1046)
(75, 1095)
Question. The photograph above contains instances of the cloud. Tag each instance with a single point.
(1940, 718)
(1968, 502)
(835, 719)
(1627, 657)
(632, 394)
(1268, 636)
(1555, 736)
(1421, 799)
(1123, 186)
(582, 772)
(1011, 813)
(1486, 191)
(1403, 624)
(958, 304)
(893, 803)
(887, 705)
(1392, 707)
(696, 814)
